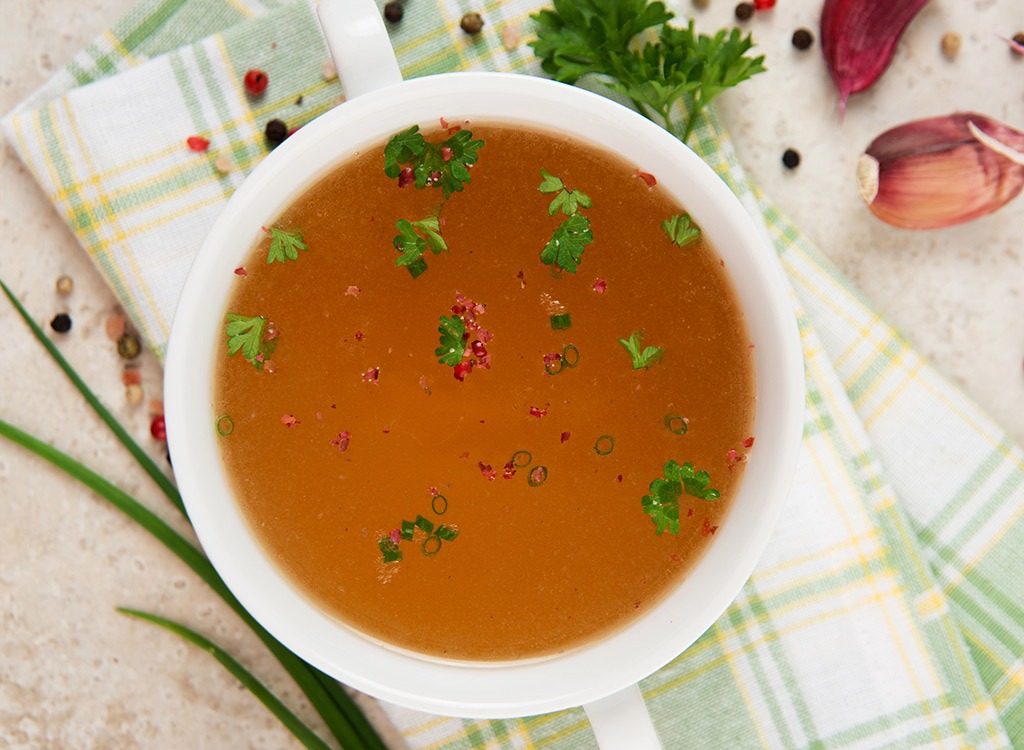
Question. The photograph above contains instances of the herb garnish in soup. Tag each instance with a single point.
(485, 393)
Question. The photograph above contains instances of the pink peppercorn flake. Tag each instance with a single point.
(289, 420)
(647, 177)
(462, 369)
(509, 471)
(708, 529)
(749, 442)
(197, 143)
(319, 416)
(485, 469)
(342, 440)
(537, 412)
(158, 428)
(240, 271)
(565, 436)
(395, 535)
(444, 123)
(689, 512)
(433, 491)
(406, 177)
(372, 375)
(446, 153)
(352, 291)
(600, 286)
(764, 4)
(358, 336)
(522, 279)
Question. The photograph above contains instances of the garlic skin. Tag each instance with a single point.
(859, 37)
(941, 171)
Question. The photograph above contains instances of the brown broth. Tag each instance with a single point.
(534, 570)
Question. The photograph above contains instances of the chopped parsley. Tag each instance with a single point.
(565, 248)
(567, 201)
(662, 505)
(642, 358)
(246, 334)
(415, 237)
(452, 343)
(681, 229)
(445, 164)
(284, 245)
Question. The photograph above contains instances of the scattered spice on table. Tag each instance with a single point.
(744, 11)
(472, 23)
(197, 143)
(133, 394)
(327, 70)
(61, 323)
(129, 346)
(64, 285)
(223, 163)
(791, 158)
(950, 44)
(1018, 43)
(255, 81)
(803, 39)
(158, 428)
(393, 12)
(275, 131)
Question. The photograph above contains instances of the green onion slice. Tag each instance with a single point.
(225, 425)
(522, 459)
(389, 550)
(538, 475)
(604, 445)
(553, 368)
(675, 424)
(561, 322)
(446, 532)
(408, 528)
(425, 523)
(431, 545)
(439, 504)
(570, 355)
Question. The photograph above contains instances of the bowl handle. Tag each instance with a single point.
(621, 721)
(359, 44)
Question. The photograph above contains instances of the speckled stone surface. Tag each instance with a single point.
(74, 673)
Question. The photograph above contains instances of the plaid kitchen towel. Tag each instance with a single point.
(887, 609)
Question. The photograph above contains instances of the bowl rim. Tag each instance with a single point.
(485, 689)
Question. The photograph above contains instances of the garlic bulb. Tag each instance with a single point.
(941, 171)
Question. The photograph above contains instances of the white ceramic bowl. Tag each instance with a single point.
(471, 689)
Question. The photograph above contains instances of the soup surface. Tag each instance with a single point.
(469, 455)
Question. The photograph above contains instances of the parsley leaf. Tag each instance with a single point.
(642, 359)
(566, 246)
(284, 245)
(581, 38)
(452, 344)
(568, 201)
(681, 229)
(414, 237)
(445, 164)
(246, 334)
(662, 505)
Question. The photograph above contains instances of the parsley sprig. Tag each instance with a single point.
(247, 334)
(445, 164)
(681, 229)
(662, 505)
(578, 38)
(284, 245)
(565, 248)
(642, 358)
(414, 237)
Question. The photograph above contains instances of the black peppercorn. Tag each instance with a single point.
(393, 12)
(791, 158)
(129, 346)
(744, 11)
(276, 131)
(471, 23)
(803, 39)
(61, 323)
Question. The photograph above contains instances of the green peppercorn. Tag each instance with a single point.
(472, 23)
(275, 131)
(393, 12)
(803, 39)
(129, 346)
(61, 323)
(744, 11)
(791, 158)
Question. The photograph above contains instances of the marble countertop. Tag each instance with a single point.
(75, 673)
